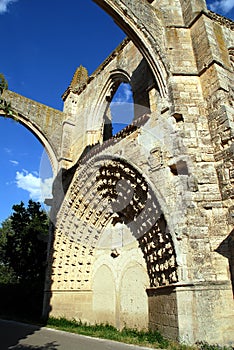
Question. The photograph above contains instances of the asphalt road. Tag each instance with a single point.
(20, 336)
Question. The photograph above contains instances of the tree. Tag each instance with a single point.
(7, 275)
(23, 242)
(23, 253)
(4, 106)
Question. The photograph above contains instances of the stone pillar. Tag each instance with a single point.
(193, 312)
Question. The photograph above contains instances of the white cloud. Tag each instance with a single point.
(127, 92)
(124, 94)
(46, 188)
(4, 4)
(38, 189)
(14, 162)
(221, 5)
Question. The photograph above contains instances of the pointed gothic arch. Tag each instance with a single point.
(148, 37)
(112, 191)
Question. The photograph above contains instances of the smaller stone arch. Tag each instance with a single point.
(44, 122)
(115, 78)
(141, 82)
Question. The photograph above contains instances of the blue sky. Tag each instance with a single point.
(42, 44)
(41, 47)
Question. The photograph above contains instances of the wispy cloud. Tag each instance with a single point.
(7, 150)
(38, 189)
(14, 162)
(124, 94)
(4, 4)
(221, 5)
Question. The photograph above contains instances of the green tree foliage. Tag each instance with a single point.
(23, 242)
(7, 275)
(23, 253)
(4, 106)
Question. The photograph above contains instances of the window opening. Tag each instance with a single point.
(120, 112)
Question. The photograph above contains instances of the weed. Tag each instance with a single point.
(151, 339)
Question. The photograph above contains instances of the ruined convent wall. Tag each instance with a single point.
(192, 222)
(143, 221)
(144, 234)
(161, 255)
(183, 289)
(87, 103)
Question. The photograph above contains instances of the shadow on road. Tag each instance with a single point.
(48, 346)
(11, 333)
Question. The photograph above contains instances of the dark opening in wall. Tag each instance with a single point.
(178, 117)
(179, 168)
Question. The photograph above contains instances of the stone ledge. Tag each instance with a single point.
(206, 285)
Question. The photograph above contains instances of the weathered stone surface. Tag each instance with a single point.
(143, 221)
(45, 122)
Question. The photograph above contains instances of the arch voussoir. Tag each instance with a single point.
(148, 36)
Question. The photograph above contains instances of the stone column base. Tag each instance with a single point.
(194, 312)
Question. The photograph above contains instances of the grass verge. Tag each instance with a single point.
(151, 339)
(106, 331)
(148, 339)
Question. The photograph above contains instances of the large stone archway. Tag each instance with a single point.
(110, 219)
(142, 23)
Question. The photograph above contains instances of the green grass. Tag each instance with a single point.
(151, 339)
(130, 336)
(205, 346)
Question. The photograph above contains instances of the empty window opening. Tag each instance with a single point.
(179, 168)
(120, 112)
(178, 117)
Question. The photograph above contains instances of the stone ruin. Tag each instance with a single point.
(143, 220)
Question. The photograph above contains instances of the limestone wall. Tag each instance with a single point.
(88, 105)
(150, 212)
(143, 222)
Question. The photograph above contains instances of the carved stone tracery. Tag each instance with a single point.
(111, 192)
(159, 253)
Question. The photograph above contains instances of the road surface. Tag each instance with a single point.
(20, 336)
